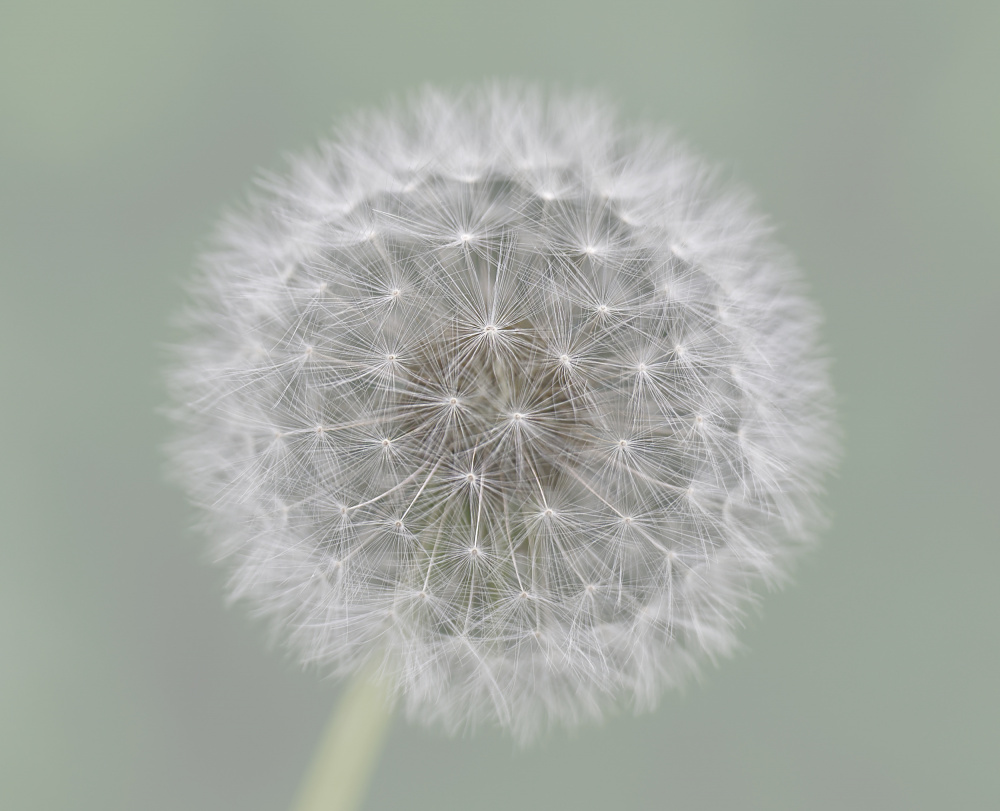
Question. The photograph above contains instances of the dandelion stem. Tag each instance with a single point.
(343, 765)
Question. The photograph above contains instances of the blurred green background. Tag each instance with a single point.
(870, 132)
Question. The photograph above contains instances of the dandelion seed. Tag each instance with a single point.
(554, 413)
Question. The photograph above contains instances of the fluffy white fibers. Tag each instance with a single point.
(505, 400)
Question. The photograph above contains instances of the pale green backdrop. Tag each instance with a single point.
(870, 132)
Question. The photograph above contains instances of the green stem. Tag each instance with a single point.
(342, 768)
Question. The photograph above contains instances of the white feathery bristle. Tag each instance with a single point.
(502, 399)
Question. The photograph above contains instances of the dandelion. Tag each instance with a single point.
(505, 401)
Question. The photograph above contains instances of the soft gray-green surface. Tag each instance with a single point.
(869, 131)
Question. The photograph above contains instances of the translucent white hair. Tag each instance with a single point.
(504, 400)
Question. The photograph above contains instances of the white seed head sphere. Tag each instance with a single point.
(504, 400)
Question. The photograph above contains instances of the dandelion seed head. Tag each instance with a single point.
(508, 400)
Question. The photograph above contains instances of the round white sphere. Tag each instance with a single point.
(505, 400)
